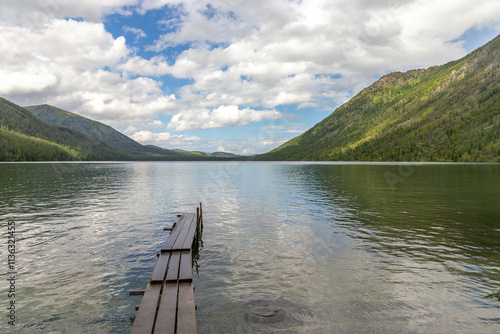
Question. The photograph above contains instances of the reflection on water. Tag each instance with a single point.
(287, 247)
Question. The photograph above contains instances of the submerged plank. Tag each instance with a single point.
(186, 314)
(165, 320)
(144, 320)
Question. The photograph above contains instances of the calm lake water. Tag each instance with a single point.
(329, 248)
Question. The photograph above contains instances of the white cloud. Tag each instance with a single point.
(223, 116)
(79, 45)
(156, 124)
(139, 33)
(64, 63)
(34, 13)
(204, 24)
(274, 49)
(130, 130)
(148, 137)
(165, 139)
(32, 80)
(155, 66)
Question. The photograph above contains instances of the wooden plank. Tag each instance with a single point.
(186, 314)
(183, 234)
(136, 292)
(186, 268)
(174, 233)
(173, 268)
(146, 315)
(188, 242)
(167, 246)
(160, 269)
(165, 320)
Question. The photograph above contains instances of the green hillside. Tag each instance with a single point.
(25, 137)
(46, 133)
(444, 113)
(107, 134)
(15, 146)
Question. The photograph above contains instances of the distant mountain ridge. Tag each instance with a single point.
(25, 137)
(443, 113)
(47, 133)
(112, 137)
(107, 134)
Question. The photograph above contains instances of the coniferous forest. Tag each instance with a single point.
(444, 113)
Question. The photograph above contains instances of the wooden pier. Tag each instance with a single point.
(167, 304)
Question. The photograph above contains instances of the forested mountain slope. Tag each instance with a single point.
(25, 137)
(102, 131)
(443, 113)
(47, 133)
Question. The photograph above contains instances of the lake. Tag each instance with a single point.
(331, 248)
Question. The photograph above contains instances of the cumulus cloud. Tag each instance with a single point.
(139, 33)
(156, 124)
(78, 45)
(155, 66)
(64, 64)
(223, 116)
(148, 137)
(282, 38)
(204, 23)
(34, 13)
(165, 139)
(306, 53)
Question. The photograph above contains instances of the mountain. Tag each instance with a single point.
(212, 155)
(47, 133)
(443, 113)
(224, 155)
(24, 137)
(114, 138)
(107, 134)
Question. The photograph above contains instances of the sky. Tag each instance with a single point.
(237, 76)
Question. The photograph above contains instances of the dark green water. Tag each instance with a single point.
(319, 248)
